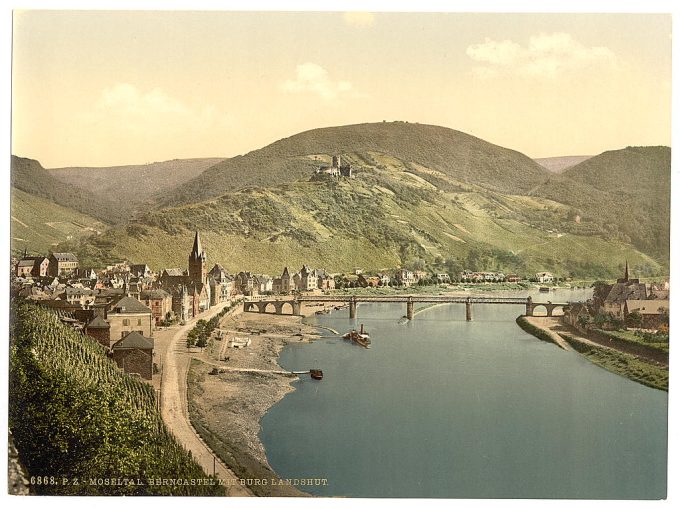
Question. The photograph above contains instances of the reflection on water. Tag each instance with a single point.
(441, 407)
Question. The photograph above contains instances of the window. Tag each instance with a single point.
(139, 321)
(126, 321)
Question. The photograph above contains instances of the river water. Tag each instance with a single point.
(441, 407)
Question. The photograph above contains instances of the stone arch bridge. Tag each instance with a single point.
(291, 304)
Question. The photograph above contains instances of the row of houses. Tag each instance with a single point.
(55, 265)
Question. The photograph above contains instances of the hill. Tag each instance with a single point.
(625, 192)
(559, 164)
(40, 224)
(134, 184)
(460, 157)
(29, 176)
(389, 215)
(422, 195)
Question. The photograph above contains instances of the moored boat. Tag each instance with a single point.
(316, 374)
(361, 337)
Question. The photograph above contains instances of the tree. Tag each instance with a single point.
(634, 319)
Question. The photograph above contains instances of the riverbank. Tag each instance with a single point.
(646, 368)
(230, 390)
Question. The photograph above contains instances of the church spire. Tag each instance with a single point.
(197, 251)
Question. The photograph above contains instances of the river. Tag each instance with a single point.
(441, 407)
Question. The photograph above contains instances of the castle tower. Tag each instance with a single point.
(198, 265)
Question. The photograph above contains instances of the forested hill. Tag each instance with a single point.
(458, 156)
(135, 184)
(625, 191)
(29, 176)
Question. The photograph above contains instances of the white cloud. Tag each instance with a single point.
(311, 77)
(138, 109)
(546, 56)
(359, 19)
(147, 125)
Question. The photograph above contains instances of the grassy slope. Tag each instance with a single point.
(133, 184)
(381, 219)
(40, 224)
(627, 192)
(29, 176)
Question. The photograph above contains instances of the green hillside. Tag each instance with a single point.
(389, 215)
(40, 225)
(423, 195)
(626, 193)
(460, 156)
(29, 176)
(134, 185)
(74, 415)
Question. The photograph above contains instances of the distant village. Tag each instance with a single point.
(121, 305)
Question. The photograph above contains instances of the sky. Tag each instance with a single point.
(104, 88)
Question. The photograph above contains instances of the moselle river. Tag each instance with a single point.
(441, 407)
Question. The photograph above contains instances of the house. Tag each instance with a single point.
(544, 277)
(129, 315)
(200, 292)
(36, 266)
(160, 303)
(134, 354)
(405, 277)
(513, 278)
(385, 279)
(173, 277)
(325, 280)
(100, 330)
(287, 282)
(140, 270)
(651, 311)
(80, 296)
(442, 277)
(245, 282)
(264, 284)
(309, 279)
(62, 264)
(182, 303)
(24, 267)
(368, 281)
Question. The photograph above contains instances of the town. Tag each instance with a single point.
(121, 305)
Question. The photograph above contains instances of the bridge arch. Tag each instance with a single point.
(547, 309)
(285, 306)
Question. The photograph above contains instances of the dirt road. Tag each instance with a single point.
(176, 360)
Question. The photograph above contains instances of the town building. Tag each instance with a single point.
(309, 279)
(160, 303)
(405, 277)
(129, 315)
(100, 330)
(616, 295)
(62, 264)
(544, 277)
(651, 311)
(134, 354)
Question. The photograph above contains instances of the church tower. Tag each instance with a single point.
(198, 264)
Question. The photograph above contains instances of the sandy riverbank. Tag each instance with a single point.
(226, 407)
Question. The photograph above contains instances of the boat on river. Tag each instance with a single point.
(316, 374)
(360, 337)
